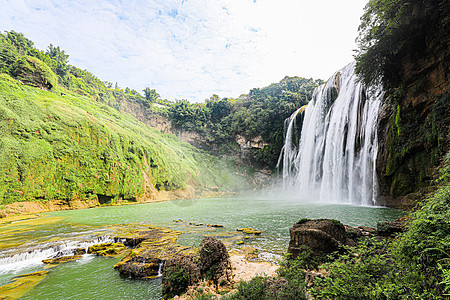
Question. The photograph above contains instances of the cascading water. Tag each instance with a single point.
(336, 154)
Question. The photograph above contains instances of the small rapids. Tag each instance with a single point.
(11, 261)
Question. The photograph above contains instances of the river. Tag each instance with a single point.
(25, 243)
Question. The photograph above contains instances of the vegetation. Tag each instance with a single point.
(64, 137)
(413, 266)
(176, 282)
(259, 115)
(392, 30)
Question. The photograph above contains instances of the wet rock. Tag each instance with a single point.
(79, 251)
(135, 238)
(321, 236)
(356, 233)
(107, 249)
(250, 231)
(62, 259)
(214, 225)
(141, 267)
(145, 261)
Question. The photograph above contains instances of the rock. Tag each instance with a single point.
(250, 231)
(62, 259)
(107, 249)
(211, 263)
(214, 259)
(355, 233)
(391, 228)
(141, 267)
(145, 261)
(79, 251)
(321, 236)
(214, 225)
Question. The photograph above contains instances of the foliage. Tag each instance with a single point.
(416, 265)
(368, 274)
(176, 282)
(391, 30)
(254, 289)
(70, 147)
(32, 71)
(150, 96)
(305, 260)
(258, 115)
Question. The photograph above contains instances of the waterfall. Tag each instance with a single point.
(334, 160)
(15, 262)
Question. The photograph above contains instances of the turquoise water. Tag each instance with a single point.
(93, 277)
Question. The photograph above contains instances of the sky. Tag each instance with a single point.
(192, 49)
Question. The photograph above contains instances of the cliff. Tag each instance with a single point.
(414, 125)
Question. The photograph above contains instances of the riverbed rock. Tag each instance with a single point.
(214, 260)
(62, 259)
(321, 236)
(107, 249)
(156, 246)
(249, 231)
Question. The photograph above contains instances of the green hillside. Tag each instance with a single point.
(61, 145)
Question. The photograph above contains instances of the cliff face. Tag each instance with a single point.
(414, 126)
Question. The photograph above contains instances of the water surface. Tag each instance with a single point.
(94, 277)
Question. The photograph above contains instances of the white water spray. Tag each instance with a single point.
(14, 263)
(334, 161)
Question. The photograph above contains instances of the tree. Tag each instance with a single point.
(22, 44)
(59, 58)
(151, 95)
(391, 30)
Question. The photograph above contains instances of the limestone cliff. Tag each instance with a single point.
(414, 126)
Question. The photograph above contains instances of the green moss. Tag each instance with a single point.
(71, 147)
(415, 146)
(398, 120)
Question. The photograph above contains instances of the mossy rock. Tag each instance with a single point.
(107, 249)
(62, 259)
(250, 231)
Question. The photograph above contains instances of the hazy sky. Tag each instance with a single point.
(191, 49)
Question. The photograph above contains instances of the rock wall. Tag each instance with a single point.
(414, 126)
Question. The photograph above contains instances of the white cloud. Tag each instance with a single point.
(193, 48)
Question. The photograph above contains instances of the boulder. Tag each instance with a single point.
(141, 267)
(214, 260)
(321, 236)
(250, 231)
(211, 263)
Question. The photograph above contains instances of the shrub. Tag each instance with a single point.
(175, 282)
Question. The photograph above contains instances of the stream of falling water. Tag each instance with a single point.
(334, 160)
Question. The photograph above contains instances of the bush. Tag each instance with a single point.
(33, 71)
(175, 282)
